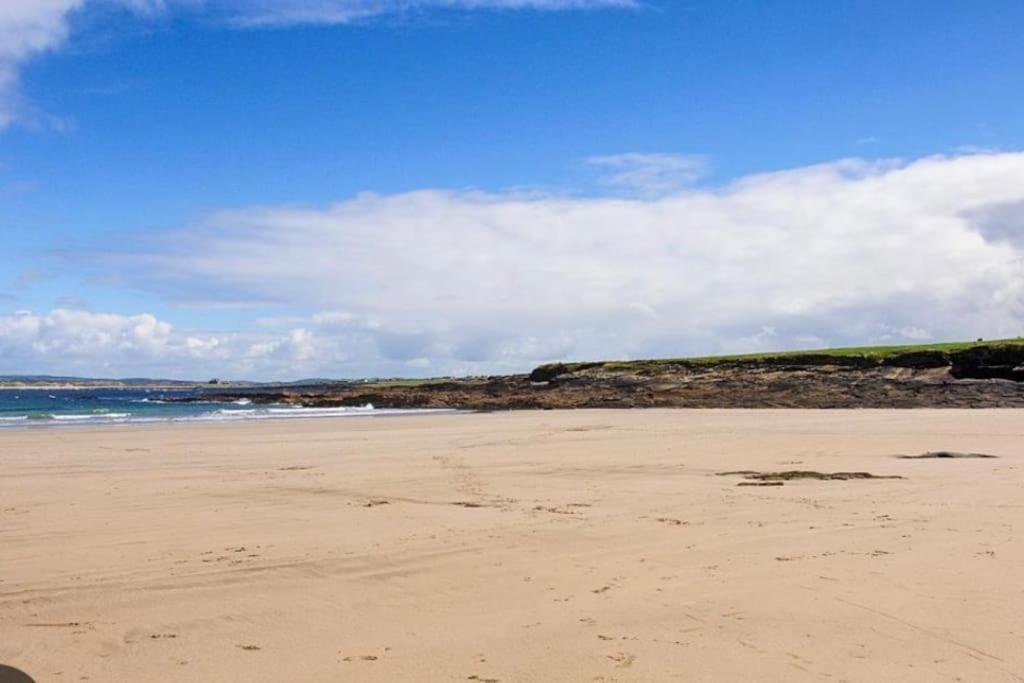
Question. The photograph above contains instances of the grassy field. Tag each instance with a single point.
(867, 352)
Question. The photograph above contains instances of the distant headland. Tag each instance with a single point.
(979, 374)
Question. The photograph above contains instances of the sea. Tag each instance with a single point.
(91, 406)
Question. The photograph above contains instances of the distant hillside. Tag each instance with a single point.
(46, 381)
(60, 381)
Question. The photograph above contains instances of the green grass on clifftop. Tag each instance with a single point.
(879, 353)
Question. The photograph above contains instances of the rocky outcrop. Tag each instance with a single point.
(989, 362)
(979, 377)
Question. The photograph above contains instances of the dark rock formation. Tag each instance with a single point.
(980, 377)
(790, 475)
(989, 362)
(945, 455)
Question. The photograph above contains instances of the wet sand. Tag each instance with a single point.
(533, 546)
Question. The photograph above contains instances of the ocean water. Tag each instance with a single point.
(47, 408)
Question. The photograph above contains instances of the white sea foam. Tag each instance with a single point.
(301, 412)
(90, 416)
(322, 411)
(224, 414)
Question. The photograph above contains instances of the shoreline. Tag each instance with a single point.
(18, 424)
(185, 422)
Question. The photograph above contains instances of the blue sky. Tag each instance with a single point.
(283, 188)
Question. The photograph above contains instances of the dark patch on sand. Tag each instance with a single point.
(944, 455)
(672, 521)
(8, 674)
(559, 510)
(790, 475)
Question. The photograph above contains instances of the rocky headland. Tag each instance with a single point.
(983, 375)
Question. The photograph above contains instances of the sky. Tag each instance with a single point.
(279, 189)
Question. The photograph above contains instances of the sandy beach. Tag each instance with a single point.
(531, 546)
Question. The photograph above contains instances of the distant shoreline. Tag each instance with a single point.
(980, 374)
(114, 385)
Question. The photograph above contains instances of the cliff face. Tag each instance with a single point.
(978, 377)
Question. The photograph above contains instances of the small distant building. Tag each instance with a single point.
(215, 380)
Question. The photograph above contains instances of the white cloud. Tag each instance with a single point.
(840, 253)
(79, 342)
(255, 13)
(26, 30)
(72, 333)
(650, 174)
(29, 28)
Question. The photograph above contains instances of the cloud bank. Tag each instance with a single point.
(437, 282)
(83, 343)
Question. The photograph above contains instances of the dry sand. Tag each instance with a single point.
(545, 546)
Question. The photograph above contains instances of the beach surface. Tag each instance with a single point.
(529, 546)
